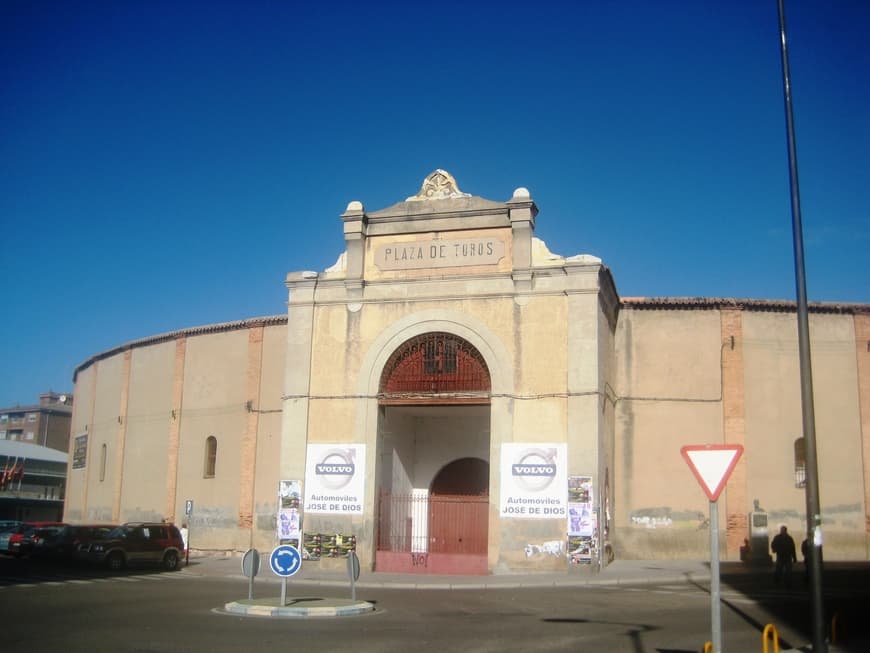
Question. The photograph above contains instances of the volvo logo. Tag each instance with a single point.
(535, 469)
(336, 469)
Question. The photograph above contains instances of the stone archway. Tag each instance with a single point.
(433, 447)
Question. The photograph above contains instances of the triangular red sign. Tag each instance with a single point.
(712, 464)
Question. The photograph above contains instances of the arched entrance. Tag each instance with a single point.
(458, 508)
(433, 452)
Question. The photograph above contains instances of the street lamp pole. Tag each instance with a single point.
(814, 520)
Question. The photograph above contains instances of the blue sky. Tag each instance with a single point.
(165, 164)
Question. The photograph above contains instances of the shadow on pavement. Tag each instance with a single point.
(845, 588)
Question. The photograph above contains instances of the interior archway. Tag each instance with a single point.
(466, 476)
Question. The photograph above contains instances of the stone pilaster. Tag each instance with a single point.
(522, 211)
(734, 429)
(297, 378)
(354, 219)
(248, 462)
(862, 359)
(175, 429)
(122, 435)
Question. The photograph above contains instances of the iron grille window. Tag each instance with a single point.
(435, 367)
(210, 457)
(800, 463)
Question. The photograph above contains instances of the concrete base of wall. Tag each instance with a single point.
(431, 563)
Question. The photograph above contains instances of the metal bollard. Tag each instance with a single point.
(770, 629)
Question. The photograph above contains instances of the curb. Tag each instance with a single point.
(270, 608)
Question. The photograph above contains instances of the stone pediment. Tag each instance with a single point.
(439, 185)
(439, 195)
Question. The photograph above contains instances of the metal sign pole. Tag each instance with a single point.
(715, 608)
(285, 561)
(712, 465)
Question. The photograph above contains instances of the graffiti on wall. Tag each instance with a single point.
(665, 517)
(551, 548)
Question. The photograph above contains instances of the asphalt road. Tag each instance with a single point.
(46, 607)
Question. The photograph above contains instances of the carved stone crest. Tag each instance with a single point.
(440, 185)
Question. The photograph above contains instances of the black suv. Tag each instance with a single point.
(139, 543)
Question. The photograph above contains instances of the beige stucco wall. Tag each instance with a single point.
(103, 431)
(77, 483)
(147, 436)
(267, 465)
(774, 421)
(669, 376)
(170, 395)
(214, 405)
(668, 396)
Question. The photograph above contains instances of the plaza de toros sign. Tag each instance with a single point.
(436, 253)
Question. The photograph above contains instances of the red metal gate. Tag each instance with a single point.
(443, 534)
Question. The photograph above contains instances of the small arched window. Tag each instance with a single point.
(103, 456)
(800, 463)
(210, 456)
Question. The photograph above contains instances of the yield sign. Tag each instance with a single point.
(712, 464)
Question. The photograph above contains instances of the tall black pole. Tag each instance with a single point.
(814, 518)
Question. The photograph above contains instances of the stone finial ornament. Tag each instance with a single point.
(440, 185)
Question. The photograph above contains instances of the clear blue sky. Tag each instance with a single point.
(165, 164)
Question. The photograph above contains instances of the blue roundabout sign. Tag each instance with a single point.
(285, 560)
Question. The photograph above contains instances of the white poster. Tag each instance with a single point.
(534, 481)
(335, 479)
(288, 522)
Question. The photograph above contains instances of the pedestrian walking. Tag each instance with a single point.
(806, 555)
(783, 546)
(184, 535)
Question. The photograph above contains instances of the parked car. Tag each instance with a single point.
(69, 542)
(15, 536)
(139, 543)
(7, 528)
(33, 539)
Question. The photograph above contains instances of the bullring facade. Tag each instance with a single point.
(452, 397)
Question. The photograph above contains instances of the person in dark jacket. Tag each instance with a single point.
(806, 555)
(783, 546)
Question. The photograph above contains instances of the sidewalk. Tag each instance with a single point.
(620, 572)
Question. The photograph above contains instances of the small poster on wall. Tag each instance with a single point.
(533, 481)
(327, 545)
(289, 520)
(80, 451)
(582, 523)
(335, 479)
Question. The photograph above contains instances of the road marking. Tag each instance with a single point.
(54, 580)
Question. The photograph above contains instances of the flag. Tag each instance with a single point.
(19, 472)
(8, 473)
